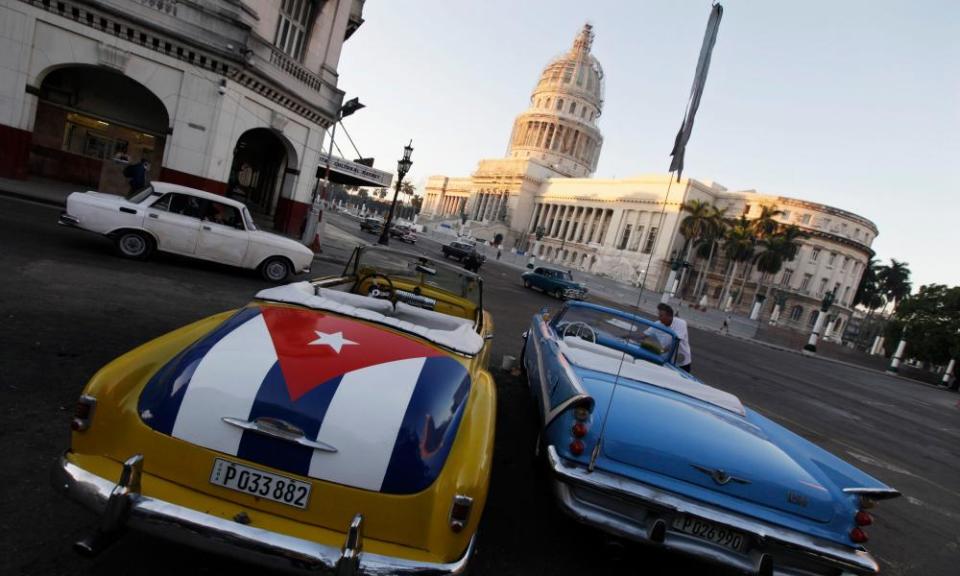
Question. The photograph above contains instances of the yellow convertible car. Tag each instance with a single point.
(339, 426)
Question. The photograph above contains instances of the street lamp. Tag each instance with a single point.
(310, 232)
(403, 166)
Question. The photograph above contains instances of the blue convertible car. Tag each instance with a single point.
(642, 450)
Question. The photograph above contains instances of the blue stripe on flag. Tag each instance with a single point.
(273, 401)
(429, 426)
(161, 397)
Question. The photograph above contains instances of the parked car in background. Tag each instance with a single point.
(339, 426)
(460, 250)
(372, 225)
(558, 283)
(189, 222)
(410, 237)
(639, 448)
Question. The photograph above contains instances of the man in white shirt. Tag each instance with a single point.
(666, 318)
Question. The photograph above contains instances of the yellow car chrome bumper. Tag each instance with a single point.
(120, 504)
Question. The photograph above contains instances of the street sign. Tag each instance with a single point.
(344, 171)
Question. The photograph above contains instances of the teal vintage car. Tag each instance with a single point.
(555, 282)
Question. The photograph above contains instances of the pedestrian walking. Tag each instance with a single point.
(725, 327)
(138, 175)
(498, 252)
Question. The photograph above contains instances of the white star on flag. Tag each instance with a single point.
(335, 340)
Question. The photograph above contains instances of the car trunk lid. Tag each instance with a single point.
(685, 439)
(306, 393)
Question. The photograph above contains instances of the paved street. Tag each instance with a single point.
(68, 306)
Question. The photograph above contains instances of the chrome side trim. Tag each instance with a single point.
(68, 220)
(267, 427)
(242, 542)
(571, 375)
(874, 493)
(790, 548)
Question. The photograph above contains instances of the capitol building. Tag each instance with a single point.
(628, 229)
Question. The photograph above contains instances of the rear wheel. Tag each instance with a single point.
(558, 294)
(275, 269)
(526, 284)
(134, 244)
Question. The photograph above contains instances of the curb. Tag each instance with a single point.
(832, 360)
(32, 198)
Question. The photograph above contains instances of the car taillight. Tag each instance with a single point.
(576, 447)
(460, 512)
(579, 430)
(863, 518)
(858, 535)
(83, 415)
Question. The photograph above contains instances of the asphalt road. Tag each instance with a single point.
(68, 306)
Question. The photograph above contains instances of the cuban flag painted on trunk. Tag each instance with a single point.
(388, 404)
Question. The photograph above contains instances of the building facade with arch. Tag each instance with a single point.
(229, 96)
(542, 200)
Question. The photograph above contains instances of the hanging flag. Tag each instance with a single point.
(699, 80)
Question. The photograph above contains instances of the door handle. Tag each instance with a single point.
(206, 228)
(154, 216)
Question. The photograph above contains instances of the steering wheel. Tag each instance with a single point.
(579, 332)
(378, 290)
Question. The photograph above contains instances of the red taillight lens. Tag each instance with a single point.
(576, 447)
(579, 430)
(863, 518)
(858, 535)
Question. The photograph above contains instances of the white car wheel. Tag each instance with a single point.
(275, 269)
(133, 244)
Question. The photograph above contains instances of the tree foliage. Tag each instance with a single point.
(931, 318)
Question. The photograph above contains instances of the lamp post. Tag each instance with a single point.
(311, 233)
(403, 166)
(811, 346)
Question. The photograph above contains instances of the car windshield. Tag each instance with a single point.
(561, 275)
(421, 270)
(138, 197)
(642, 339)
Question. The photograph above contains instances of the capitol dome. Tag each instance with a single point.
(560, 126)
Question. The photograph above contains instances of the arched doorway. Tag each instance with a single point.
(263, 170)
(92, 122)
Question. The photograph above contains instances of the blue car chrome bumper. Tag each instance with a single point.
(120, 504)
(643, 513)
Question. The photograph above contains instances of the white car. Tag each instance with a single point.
(190, 222)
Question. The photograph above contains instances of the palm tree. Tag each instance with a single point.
(738, 246)
(776, 250)
(895, 281)
(869, 294)
(713, 238)
(763, 226)
(694, 226)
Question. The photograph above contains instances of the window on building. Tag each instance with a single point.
(796, 313)
(832, 259)
(846, 296)
(573, 108)
(787, 276)
(805, 219)
(559, 103)
(583, 112)
(292, 27)
(651, 238)
(836, 288)
(805, 285)
(746, 209)
(580, 72)
(785, 215)
(814, 254)
(625, 237)
(822, 286)
(813, 317)
(846, 263)
(856, 232)
(547, 103)
(567, 74)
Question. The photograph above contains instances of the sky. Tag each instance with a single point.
(853, 103)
